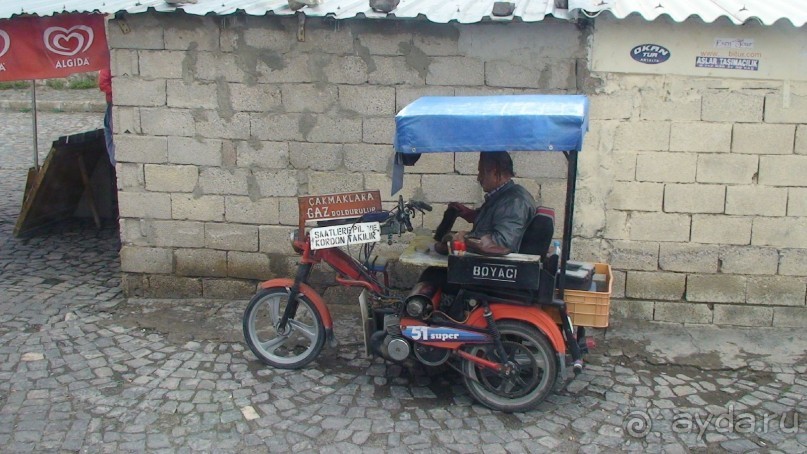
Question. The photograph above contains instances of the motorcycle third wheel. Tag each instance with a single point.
(536, 373)
(298, 344)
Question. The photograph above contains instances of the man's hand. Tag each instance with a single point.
(463, 211)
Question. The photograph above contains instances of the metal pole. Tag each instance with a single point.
(571, 185)
(33, 109)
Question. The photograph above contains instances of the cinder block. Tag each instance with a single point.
(433, 163)
(544, 73)
(167, 122)
(275, 240)
(763, 138)
(129, 176)
(248, 265)
(255, 98)
(202, 208)
(643, 136)
(435, 39)
(636, 196)
(332, 129)
(797, 202)
(131, 91)
(790, 317)
(395, 71)
(800, 146)
(748, 260)
(666, 167)
(134, 285)
(624, 166)
(215, 180)
(131, 148)
(694, 198)
(537, 165)
(588, 249)
(126, 121)
(658, 227)
(213, 66)
(383, 182)
(618, 288)
(124, 62)
(783, 170)
(379, 40)
(162, 286)
(277, 183)
(171, 178)
(726, 314)
(776, 290)
(351, 70)
(288, 211)
(194, 95)
(379, 130)
(756, 201)
(159, 64)
(447, 188)
(611, 106)
(405, 95)
(278, 127)
(333, 182)
(780, 232)
(231, 237)
(146, 260)
(196, 151)
(316, 98)
(776, 112)
(655, 108)
(227, 289)
(272, 37)
(368, 158)
(727, 168)
(631, 309)
(732, 107)
(655, 285)
(456, 71)
(201, 262)
(244, 210)
(209, 123)
(616, 225)
(688, 257)
(719, 229)
(793, 262)
(700, 137)
(690, 313)
(178, 234)
(632, 255)
(144, 32)
(324, 37)
(716, 288)
(192, 32)
(367, 100)
(267, 155)
(315, 156)
(144, 205)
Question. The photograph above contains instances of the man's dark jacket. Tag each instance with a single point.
(505, 215)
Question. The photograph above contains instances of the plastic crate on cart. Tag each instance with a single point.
(591, 308)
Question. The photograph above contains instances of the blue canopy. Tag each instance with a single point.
(492, 123)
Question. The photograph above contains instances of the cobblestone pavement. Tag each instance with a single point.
(83, 370)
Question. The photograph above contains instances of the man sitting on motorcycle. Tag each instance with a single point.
(498, 225)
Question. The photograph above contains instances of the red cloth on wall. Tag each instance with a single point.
(105, 83)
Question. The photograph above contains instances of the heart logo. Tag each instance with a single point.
(6, 42)
(68, 42)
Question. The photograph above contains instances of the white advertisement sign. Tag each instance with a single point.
(345, 234)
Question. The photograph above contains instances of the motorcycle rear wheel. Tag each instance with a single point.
(537, 364)
(298, 344)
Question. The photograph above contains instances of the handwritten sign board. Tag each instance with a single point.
(338, 206)
(343, 235)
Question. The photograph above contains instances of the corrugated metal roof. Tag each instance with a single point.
(442, 11)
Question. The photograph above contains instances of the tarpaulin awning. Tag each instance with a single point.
(51, 47)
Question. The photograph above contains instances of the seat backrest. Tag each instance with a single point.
(538, 235)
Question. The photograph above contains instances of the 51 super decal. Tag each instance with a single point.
(429, 334)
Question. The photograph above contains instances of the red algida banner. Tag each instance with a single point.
(49, 47)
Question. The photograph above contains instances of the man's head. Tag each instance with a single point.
(495, 169)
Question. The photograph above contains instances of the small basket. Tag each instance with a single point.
(591, 308)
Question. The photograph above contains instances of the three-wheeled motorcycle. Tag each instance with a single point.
(513, 338)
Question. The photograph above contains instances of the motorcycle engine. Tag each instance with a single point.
(419, 302)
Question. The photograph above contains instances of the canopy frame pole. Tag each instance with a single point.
(33, 110)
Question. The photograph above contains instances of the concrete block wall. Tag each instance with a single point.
(694, 191)
(222, 122)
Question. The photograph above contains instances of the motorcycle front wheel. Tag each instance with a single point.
(533, 359)
(291, 348)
